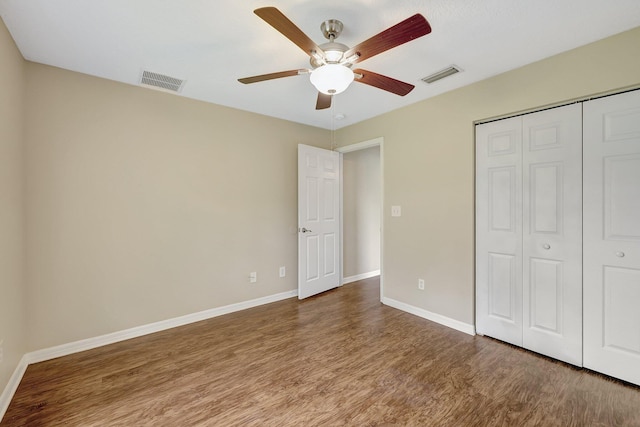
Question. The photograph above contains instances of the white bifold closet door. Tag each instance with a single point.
(529, 231)
(499, 230)
(612, 236)
(552, 233)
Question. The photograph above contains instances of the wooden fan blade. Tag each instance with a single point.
(271, 76)
(277, 20)
(407, 30)
(383, 82)
(323, 102)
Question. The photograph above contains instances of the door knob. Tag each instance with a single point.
(546, 246)
(305, 230)
(620, 254)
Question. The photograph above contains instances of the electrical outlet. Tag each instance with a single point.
(396, 211)
(283, 271)
(253, 277)
(421, 284)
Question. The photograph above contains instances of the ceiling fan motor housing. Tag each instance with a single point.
(334, 51)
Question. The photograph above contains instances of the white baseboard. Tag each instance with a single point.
(362, 276)
(99, 341)
(434, 317)
(12, 386)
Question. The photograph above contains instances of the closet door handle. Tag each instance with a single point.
(546, 246)
(620, 254)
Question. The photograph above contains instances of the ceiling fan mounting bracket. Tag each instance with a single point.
(331, 28)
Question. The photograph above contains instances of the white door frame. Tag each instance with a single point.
(376, 142)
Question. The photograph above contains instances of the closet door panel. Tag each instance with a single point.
(612, 236)
(499, 230)
(552, 233)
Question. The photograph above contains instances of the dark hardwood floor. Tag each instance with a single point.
(340, 358)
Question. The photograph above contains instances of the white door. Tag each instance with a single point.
(612, 236)
(318, 220)
(552, 233)
(529, 232)
(499, 230)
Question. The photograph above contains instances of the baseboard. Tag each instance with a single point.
(88, 344)
(362, 276)
(99, 341)
(438, 318)
(12, 386)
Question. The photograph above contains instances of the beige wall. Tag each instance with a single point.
(12, 285)
(361, 211)
(429, 166)
(143, 206)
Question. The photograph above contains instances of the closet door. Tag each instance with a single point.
(499, 230)
(612, 236)
(552, 233)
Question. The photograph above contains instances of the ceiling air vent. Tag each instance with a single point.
(449, 71)
(161, 81)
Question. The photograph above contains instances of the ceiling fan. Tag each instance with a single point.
(331, 62)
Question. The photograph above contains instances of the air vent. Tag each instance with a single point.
(449, 71)
(161, 81)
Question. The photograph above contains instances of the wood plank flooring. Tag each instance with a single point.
(340, 358)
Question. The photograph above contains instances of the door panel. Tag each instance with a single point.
(312, 199)
(313, 258)
(612, 236)
(546, 297)
(499, 230)
(621, 294)
(318, 220)
(330, 256)
(622, 197)
(546, 198)
(502, 196)
(502, 278)
(552, 233)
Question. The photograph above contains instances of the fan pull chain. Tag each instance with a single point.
(333, 126)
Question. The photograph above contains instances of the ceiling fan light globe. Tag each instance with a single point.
(331, 79)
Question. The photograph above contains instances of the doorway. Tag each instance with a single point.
(361, 211)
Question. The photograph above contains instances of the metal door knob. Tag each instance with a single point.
(546, 246)
(305, 230)
(620, 254)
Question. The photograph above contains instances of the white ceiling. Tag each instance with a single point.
(212, 43)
